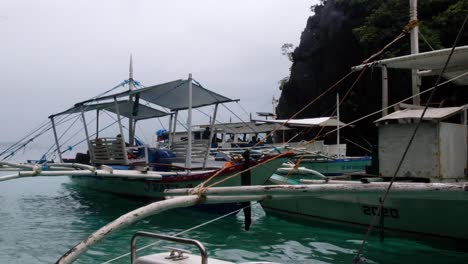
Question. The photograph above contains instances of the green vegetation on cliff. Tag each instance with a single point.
(342, 33)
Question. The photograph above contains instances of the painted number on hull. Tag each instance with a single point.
(386, 212)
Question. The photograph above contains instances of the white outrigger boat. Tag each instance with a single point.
(327, 159)
(115, 166)
(422, 186)
(429, 196)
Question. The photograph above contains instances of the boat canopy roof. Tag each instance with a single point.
(307, 122)
(174, 95)
(245, 127)
(126, 109)
(435, 114)
(432, 61)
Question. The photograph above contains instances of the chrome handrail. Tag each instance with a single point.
(203, 253)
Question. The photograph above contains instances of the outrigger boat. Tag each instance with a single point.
(115, 165)
(429, 196)
(327, 159)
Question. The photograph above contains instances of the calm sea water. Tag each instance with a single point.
(41, 218)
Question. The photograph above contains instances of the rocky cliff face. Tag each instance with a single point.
(342, 34)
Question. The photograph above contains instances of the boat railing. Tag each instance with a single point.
(137, 154)
(176, 254)
(112, 150)
(108, 150)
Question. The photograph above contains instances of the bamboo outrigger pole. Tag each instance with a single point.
(70, 169)
(143, 212)
(244, 194)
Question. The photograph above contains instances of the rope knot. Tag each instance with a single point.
(412, 24)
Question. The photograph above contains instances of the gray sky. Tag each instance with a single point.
(57, 52)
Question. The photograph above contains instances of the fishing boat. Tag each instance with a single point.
(327, 159)
(123, 165)
(429, 189)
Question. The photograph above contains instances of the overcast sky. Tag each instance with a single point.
(57, 52)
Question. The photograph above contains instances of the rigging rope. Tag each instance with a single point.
(25, 137)
(405, 30)
(425, 40)
(61, 136)
(357, 257)
(184, 231)
(46, 126)
(397, 103)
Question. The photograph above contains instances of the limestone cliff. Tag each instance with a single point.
(341, 34)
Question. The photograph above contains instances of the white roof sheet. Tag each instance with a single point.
(307, 122)
(246, 127)
(431, 114)
(431, 60)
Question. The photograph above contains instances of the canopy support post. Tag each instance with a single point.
(170, 130)
(131, 131)
(188, 157)
(97, 123)
(384, 90)
(120, 126)
(211, 136)
(175, 127)
(56, 139)
(130, 124)
(91, 152)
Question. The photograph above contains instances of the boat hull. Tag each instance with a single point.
(424, 216)
(154, 188)
(339, 166)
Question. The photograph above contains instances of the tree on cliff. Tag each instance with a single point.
(342, 33)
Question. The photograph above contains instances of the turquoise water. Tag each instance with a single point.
(41, 218)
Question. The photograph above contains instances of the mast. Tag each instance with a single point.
(188, 157)
(130, 88)
(414, 37)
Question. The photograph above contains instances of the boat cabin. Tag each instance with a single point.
(439, 150)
